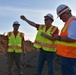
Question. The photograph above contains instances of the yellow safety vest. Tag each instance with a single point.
(44, 43)
(15, 43)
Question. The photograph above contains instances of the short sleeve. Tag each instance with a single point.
(37, 26)
(72, 30)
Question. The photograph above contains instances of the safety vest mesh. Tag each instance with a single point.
(15, 43)
(44, 43)
(66, 49)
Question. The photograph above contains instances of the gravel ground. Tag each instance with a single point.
(29, 64)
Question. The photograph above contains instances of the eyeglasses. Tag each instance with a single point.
(46, 19)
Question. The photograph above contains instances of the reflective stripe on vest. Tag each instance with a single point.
(14, 47)
(53, 29)
(45, 44)
(14, 43)
(66, 49)
(41, 41)
(67, 23)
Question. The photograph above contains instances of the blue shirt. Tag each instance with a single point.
(72, 30)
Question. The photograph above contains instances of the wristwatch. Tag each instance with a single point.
(59, 38)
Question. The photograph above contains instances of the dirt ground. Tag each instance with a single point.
(29, 64)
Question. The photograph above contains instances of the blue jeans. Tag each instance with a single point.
(45, 56)
(68, 66)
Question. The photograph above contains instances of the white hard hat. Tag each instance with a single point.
(61, 9)
(49, 15)
(16, 23)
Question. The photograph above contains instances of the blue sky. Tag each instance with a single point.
(34, 10)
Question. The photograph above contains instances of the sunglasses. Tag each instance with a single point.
(46, 19)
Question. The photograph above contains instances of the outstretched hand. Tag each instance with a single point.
(23, 17)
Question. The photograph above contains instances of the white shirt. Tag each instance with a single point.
(72, 30)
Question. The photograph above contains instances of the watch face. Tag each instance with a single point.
(59, 38)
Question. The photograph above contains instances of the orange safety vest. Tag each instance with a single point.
(66, 49)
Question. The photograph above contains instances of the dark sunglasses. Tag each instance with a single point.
(46, 19)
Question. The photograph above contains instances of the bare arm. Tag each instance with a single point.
(23, 47)
(28, 21)
(67, 39)
(6, 47)
(64, 38)
(55, 37)
(47, 36)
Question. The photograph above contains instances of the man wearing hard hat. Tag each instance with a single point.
(66, 44)
(14, 47)
(66, 47)
(47, 47)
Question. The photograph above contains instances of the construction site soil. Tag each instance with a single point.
(29, 61)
